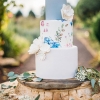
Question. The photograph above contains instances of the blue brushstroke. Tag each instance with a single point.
(50, 42)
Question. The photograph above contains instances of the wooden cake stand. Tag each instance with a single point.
(69, 89)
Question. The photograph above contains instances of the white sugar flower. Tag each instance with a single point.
(67, 12)
(33, 49)
(38, 42)
(39, 48)
(41, 55)
(45, 48)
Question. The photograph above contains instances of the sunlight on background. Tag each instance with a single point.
(34, 5)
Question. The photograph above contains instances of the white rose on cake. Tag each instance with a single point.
(38, 42)
(39, 48)
(33, 49)
(45, 48)
(67, 12)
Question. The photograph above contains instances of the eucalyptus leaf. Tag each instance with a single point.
(10, 74)
(3, 86)
(37, 98)
(26, 74)
(13, 77)
(14, 87)
(11, 80)
(37, 79)
(93, 81)
(95, 70)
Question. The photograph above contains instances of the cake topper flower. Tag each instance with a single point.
(67, 12)
(39, 48)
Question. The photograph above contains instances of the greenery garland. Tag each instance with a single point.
(90, 74)
(82, 74)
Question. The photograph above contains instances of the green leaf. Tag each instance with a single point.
(11, 80)
(95, 70)
(14, 87)
(10, 74)
(13, 77)
(26, 74)
(93, 81)
(37, 98)
(3, 86)
(37, 79)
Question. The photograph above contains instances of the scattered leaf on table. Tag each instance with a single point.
(37, 98)
(93, 81)
(26, 74)
(10, 74)
(13, 77)
(3, 86)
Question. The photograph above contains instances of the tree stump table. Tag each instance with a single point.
(69, 89)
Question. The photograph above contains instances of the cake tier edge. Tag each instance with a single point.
(60, 63)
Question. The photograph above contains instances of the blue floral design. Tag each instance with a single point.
(50, 42)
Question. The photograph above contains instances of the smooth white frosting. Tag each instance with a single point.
(60, 63)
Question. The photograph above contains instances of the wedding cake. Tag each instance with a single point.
(55, 55)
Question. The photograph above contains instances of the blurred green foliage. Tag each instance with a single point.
(96, 27)
(88, 14)
(86, 9)
(14, 45)
(17, 33)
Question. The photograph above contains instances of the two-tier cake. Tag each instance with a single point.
(55, 55)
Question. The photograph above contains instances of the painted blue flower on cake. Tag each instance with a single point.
(50, 42)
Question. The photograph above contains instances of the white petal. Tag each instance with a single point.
(45, 48)
(33, 49)
(41, 55)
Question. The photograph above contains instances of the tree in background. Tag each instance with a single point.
(32, 14)
(87, 8)
(18, 14)
(5, 37)
(88, 11)
(96, 27)
(3, 8)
